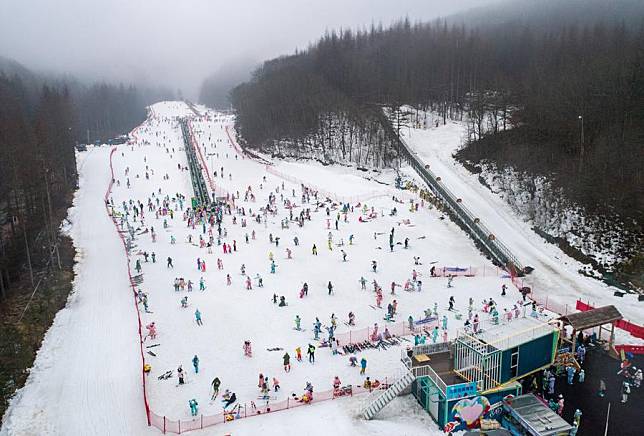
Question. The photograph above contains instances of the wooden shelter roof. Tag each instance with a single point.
(592, 318)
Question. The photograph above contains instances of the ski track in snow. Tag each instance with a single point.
(556, 274)
(86, 377)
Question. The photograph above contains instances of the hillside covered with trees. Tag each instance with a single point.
(41, 121)
(525, 87)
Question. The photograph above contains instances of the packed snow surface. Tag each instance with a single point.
(87, 376)
(556, 274)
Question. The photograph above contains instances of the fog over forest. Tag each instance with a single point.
(177, 44)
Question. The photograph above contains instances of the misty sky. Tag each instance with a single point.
(177, 43)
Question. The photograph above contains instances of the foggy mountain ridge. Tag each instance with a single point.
(521, 86)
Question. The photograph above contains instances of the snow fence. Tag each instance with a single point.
(132, 284)
(258, 408)
(179, 426)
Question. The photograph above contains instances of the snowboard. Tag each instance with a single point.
(166, 375)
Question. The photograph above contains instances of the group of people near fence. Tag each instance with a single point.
(207, 230)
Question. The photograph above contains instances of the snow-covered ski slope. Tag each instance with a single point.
(556, 274)
(87, 379)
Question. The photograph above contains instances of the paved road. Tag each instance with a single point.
(625, 419)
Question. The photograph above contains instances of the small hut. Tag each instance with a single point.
(598, 317)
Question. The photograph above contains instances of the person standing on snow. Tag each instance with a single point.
(311, 353)
(276, 384)
(194, 409)
(215, 387)
(180, 374)
(198, 317)
(248, 350)
(363, 366)
(286, 359)
(195, 363)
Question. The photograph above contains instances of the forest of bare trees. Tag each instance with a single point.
(40, 123)
(560, 96)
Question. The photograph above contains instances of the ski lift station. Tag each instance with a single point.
(464, 381)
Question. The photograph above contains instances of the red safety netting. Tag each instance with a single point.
(236, 146)
(633, 329)
(635, 349)
(132, 284)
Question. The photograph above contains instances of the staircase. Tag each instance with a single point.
(380, 399)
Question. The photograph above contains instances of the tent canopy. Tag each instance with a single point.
(592, 318)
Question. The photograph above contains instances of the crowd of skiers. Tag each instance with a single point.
(208, 232)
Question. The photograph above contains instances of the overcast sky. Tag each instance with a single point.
(177, 43)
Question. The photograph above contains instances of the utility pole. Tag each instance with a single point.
(581, 141)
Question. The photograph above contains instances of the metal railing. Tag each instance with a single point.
(196, 174)
(427, 371)
(489, 242)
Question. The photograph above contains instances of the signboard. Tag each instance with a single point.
(461, 390)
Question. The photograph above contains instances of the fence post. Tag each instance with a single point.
(164, 425)
(287, 402)
(179, 426)
(202, 420)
